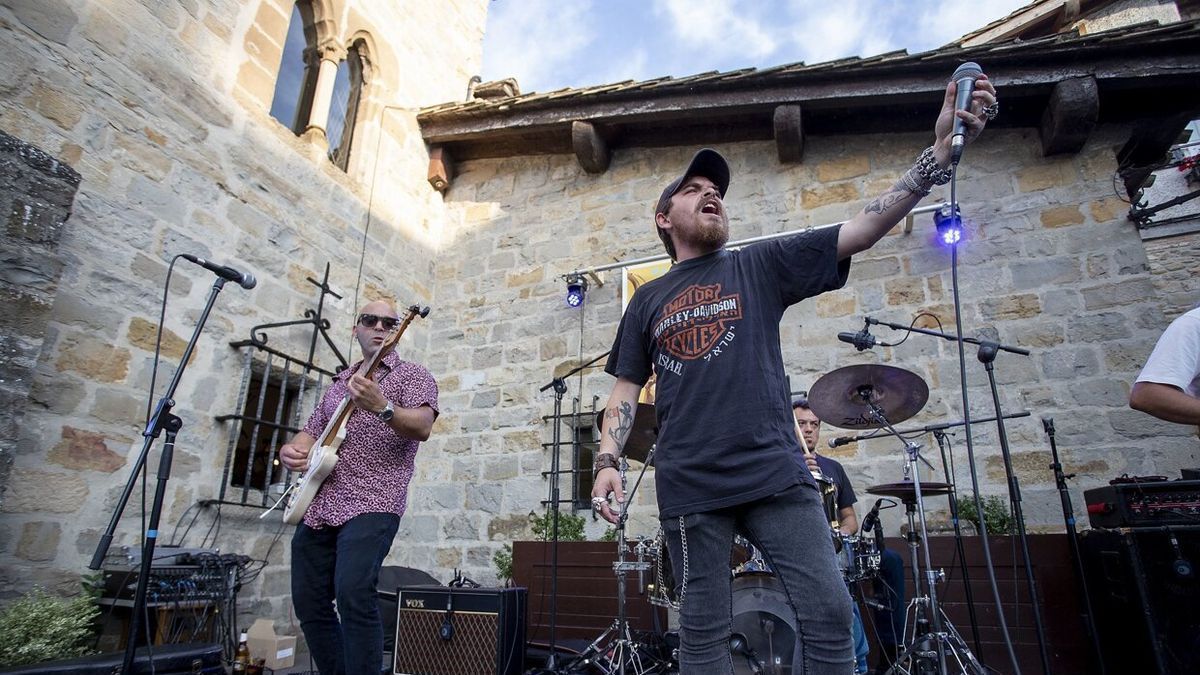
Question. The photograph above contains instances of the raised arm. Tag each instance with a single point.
(882, 213)
(614, 431)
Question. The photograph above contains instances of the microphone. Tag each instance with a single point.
(245, 279)
(840, 441)
(964, 77)
(861, 340)
(872, 516)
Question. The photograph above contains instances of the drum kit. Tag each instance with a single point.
(859, 397)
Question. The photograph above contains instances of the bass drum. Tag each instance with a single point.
(762, 614)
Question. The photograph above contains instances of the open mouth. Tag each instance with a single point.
(711, 208)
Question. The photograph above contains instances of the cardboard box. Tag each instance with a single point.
(278, 650)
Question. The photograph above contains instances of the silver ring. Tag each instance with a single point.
(991, 111)
(598, 502)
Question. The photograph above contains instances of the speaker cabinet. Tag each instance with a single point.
(1145, 592)
(460, 631)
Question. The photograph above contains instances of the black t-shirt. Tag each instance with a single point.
(709, 329)
(834, 472)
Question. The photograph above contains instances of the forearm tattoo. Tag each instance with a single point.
(887, 200)
(620, 423)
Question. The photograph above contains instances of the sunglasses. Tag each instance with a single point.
(371, 320)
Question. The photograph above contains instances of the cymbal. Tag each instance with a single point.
(905, 492)
(838, 397)
(644, 434)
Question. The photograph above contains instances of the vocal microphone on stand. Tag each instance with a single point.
(244, 279)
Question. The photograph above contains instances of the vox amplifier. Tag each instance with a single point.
(464, 631)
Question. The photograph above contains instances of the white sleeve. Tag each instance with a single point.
(1176, 358)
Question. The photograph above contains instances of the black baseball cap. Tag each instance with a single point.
(707, 163)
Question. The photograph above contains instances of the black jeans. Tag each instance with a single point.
(342, 563)
(791, 531)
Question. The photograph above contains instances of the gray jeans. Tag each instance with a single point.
(790, 530)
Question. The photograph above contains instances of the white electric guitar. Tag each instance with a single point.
(323, 454)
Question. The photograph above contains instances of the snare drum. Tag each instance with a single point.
(858, 558)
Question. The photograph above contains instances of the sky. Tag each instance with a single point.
(551, 44)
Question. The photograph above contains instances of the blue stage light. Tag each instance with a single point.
(576, 290)
(949, 225)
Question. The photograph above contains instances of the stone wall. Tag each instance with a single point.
(161, 109)
(1174, 262)
(36, 192)
(1049, 264)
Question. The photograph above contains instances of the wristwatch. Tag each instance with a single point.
(387, 412)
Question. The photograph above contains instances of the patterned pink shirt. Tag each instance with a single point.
(375, 464)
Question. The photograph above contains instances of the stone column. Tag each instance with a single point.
(330, 54)
(36, 194)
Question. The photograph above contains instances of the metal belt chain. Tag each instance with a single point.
(684, 546)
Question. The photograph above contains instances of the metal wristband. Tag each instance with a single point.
(929, 171)
(605, 460)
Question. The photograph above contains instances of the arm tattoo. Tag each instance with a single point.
(623, 420)
(886, 201)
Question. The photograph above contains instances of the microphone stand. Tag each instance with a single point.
(987, 355)
(1060, 481)
(560, 388)
(161, 420)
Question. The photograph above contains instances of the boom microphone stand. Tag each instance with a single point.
(560, 388)
(162, 420)
(1060, 481)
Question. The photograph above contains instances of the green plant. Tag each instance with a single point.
(570, 528)
(609, 535)
(996, 515)
(503, 562)
(41, 627)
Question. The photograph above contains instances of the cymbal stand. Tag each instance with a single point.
(615, 651)
(922, 646)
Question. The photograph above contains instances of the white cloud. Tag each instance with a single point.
(718, 28)
(534, 40)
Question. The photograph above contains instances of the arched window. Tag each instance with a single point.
(343, 107)
(298, 68)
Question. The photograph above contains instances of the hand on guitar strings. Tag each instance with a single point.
(366, 393)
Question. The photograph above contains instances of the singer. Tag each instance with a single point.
(725, 456)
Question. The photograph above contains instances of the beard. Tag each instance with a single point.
(711, 236)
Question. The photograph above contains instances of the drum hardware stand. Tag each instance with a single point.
(940, 436)
(1060, 481)
(924, 645)
(616, 648)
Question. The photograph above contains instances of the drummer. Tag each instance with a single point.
(808, 427)
(810, 434)
(890, 587)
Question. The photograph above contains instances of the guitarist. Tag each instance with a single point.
(348, 529)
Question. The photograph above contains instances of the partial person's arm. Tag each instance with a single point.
(847, 520)
(415, 423)
(882, 213)
(615, 427)
(1165, 402)
(294, 454)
